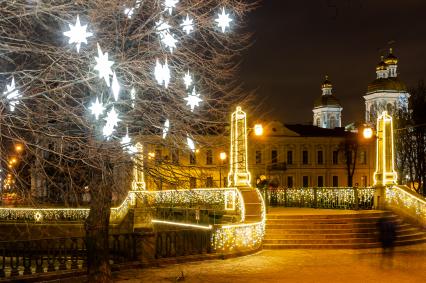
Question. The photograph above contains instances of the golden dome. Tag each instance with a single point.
(387, 85)
(391, 59)
(382, 65)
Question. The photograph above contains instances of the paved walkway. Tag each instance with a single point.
(328, 266)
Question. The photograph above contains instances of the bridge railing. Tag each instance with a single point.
(406, 202)
(40, 256)
(322, 197)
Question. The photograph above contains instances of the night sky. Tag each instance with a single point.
(296, 43)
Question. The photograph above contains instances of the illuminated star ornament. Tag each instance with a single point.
(187, 25)
(126, 142)
(166, 128)
(170, 4)
(97, 108)
(187, 80)
(103, 65)
(133, 96)
(166, 37)
(190, 143)
(78, 34)
(223, 20)
(111, 122)
(12, 94)
(193, 99)
(115, 86)
(162, 73)
(129, 12)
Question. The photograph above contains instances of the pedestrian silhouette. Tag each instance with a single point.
(387, 237)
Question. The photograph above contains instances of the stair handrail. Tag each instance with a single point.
(406, 202)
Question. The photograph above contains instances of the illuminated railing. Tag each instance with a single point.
(407, 202)
(322, 197)
(220, 199)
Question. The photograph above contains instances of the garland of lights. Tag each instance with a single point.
(395, 196)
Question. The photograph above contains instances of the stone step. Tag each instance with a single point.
(338, 246)
(304, 240)
(322, 226)
(330, 216)
(336, 235)
(400, 229)
(373, 220)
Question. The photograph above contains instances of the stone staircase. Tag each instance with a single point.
(334, 231)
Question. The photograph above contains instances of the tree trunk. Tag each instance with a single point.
(97, 230)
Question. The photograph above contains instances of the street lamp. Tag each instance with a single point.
(222, 157)
(367, 133)
(258, 129)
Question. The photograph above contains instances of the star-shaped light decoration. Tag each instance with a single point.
(12, 94)
(111, 122)
(162, 73)
(166, 128)
(168, 40)
(193, 99)
(97, 108)
(187, 80)
(162, 26)
(115, 86)
(133, 96)
(129, 12)
(187, 25)
(169, 5)
(127, 145)
(78, 34)
(223, 20)
(190, 143)
(103, 65)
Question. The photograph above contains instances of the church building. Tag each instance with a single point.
(327, 109)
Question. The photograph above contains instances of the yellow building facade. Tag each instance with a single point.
(285, 155)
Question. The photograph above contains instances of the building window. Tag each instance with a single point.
(290, 181)
(175, 156)
(363, 157)
(335, 181)
(258, 157)
(192, 182)
(225, 181)
(209, 157)
(320, 181)
(335, 157)
(209, 182)
(192, 159)
(305, 157)
(305, 181)
(320, 158)
(289, 157)
(274, 157)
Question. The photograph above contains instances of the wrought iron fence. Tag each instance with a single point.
(321, 197)
(49, 255)
(175, 243)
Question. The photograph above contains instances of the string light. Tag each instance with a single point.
(133, 96)
(78, 34)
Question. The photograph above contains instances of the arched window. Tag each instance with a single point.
(318, 123)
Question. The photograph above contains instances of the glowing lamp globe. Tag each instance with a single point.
(367, 133)
(222, 156)
(258, 129)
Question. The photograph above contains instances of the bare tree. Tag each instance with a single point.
(48, 110)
